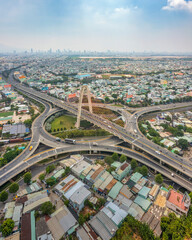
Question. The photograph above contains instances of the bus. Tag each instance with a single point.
(70, 141)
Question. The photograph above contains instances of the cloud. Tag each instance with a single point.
(122, 11)
(178, 5)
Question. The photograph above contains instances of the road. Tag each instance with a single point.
(139, 141)
(40, 135)
(89, 147)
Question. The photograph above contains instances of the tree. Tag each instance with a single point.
(190, 195)
(133, 164)
(168, 118)
(7, 227)
(115, 156)
(14, 187)
(109, 160)
(123, 158)
(51, 181)
(47, 208)
(158, 178)
(144, 170)
(81, 219)
(50, 168)
(42, 177)
(66, 202)
(28, 122)
(27, 177)
(67, 170)
(3, 196)
(107, 99)
(183, 143)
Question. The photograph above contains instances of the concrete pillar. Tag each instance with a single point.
(83, 88)
(132, 147)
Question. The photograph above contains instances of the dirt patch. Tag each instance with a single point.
(87, 210)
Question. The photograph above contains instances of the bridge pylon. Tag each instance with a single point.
(84, 89)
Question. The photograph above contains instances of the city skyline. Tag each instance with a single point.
(125, 26)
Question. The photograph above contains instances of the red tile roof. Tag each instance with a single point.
(176, 199)
(125, 165)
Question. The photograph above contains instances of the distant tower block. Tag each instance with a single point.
(84, 89)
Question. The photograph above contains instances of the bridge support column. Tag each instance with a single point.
(160, 162)
(56, 156)
(132, 147)
(83, 88)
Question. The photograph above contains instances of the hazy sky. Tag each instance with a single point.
(124, 25)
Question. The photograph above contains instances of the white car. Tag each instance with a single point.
(158, 152)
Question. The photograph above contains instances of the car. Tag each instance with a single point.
(172, 174)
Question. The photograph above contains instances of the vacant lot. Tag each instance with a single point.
(65, 122)
(6, 114)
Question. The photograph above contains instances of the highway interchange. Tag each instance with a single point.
(130, 134)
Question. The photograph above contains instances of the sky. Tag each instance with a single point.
(96, 25)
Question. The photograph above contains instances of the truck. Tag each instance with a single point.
(58, 139)
(70, 141)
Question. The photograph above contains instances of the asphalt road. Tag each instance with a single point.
(89, 147)
(23, 161)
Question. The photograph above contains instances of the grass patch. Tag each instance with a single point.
(45, 160)
(6, 114)
(65, 122)
(117, 105)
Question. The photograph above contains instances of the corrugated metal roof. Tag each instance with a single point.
(115, 190)
(111, 184)
(123, 202)
(33, 232)
(60, 222)
(106, 182)
(101, 179)
(17, 214)
(9, 208)
(143, 203)
(154, 190)
(35, 204)
(136, 211)
(80, 195)
(103, 226)
(144, 192)
(136, 176)
(115, 213)
(59, 173)
(72, 190)
(125, 191)
(79, 167)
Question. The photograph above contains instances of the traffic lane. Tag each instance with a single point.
(79, 147)
(72, 109)
(34, 142)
